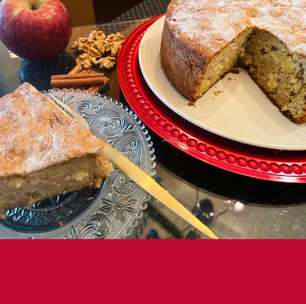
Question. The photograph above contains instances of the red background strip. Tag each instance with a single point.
(152, 271)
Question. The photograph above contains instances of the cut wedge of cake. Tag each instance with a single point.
(203, 40)
(43, 151)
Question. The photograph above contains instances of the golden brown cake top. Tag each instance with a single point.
(35, 133)
(211, 24)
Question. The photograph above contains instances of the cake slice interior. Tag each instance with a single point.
(69, 176)
(278, 72)
(222, 63)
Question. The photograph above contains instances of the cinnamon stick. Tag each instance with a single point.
(78, 82)
(77, 76)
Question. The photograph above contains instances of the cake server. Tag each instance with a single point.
(141, 178)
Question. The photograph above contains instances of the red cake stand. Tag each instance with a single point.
(265, 164)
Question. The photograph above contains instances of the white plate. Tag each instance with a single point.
(235, 108)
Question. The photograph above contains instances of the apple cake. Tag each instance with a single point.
(204, 39)
(44, 151)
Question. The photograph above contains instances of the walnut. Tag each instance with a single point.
(96, 35)
(98, 49)
(115, 48)
(80, 43)
(114, 38)
(91, 50)
(107, 62)
(85, 60)
(101, 46)
(115, 42)
(95, 60)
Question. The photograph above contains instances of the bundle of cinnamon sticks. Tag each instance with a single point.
(86, 80)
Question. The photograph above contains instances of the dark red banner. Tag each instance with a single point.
(152, 271)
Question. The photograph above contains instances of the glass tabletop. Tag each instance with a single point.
(234, 206)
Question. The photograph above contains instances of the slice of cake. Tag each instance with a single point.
(43, 151)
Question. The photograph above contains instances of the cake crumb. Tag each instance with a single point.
(217, 92)
(191, 104)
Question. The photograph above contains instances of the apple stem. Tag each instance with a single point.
(35, 5)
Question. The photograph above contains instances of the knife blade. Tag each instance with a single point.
(147, 183)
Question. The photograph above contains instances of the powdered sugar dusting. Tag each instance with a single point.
(214, 23)
(35, 134)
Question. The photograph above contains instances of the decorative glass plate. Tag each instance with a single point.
(112, 212)
(266, 164)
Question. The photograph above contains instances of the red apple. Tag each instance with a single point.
(35, 29)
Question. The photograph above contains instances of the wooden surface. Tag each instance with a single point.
(85, 12)
(108, 10)
(81, 11)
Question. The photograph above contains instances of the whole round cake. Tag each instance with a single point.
(204, 39)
